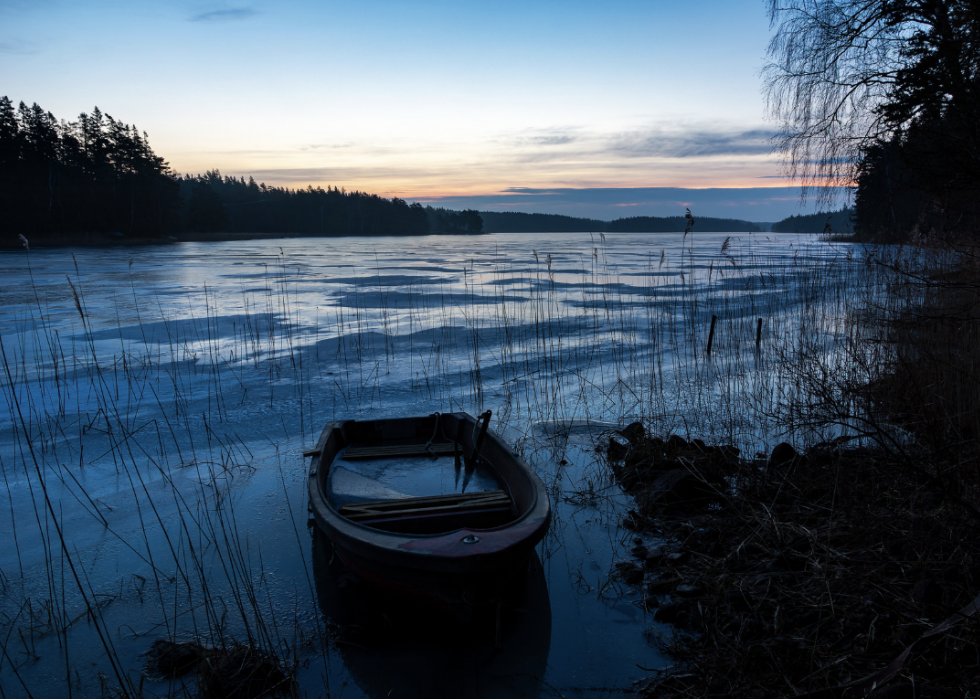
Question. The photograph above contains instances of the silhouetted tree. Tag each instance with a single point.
(889, 84)
(96, 175)
(9, 133)
(70, 179)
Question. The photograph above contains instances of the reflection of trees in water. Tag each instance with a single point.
(394, 647)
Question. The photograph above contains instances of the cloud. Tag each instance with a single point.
(18, 48)
(358, 177)
(556, 140)
(551, 138)
(328, 146)
(697, 143)
(229, 15)
(671, 141)
(533, 190)
(532, 138)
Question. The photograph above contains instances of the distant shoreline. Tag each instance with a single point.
(95, 240)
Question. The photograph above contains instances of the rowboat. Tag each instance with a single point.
(436, 508)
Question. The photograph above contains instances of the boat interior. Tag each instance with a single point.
(409, 476)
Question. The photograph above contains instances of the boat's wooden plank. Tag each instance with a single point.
(352, 511)
(427, 512)
(387, 451)
(391, 447)
(441, 521)
(355, 512)
(349, 511)
(476, 495)
(400, 447)
(481, 517)
(433, 504)
(432, 499)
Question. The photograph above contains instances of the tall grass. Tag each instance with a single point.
(905, 377)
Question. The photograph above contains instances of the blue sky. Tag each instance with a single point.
(435, 101)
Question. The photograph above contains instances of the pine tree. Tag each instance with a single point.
(9, 133)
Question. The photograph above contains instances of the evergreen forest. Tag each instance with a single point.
(516, 222)
(677, 224)
(97, 179)
(831, 223)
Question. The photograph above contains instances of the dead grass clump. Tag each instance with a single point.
(242, 671)
(233, 671)
(813, 575)
(167, 659)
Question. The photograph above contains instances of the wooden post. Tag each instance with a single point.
(711, 334)
(758, 334)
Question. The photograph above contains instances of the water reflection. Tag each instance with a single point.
(395, 648)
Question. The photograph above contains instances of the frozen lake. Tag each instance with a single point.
(160, 398)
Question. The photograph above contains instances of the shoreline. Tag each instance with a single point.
(95, 240)
(830, 573)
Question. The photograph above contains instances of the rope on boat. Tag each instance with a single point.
(435, 430)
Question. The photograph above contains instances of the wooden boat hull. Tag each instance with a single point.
(468, 565)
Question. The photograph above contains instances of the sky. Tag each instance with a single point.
(589, 109)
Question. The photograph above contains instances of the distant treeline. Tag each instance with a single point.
(77, 182)
(213, 203)
(513, 222)
(829, 222)
(675, 224)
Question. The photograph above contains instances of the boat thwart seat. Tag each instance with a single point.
(437, 513)
(381, 451)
